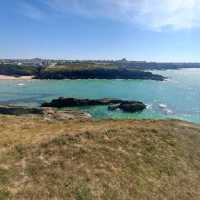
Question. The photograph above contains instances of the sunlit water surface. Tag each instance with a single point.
(178, 97)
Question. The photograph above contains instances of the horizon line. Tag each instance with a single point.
(110, 59)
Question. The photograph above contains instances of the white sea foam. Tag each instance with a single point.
(20, 84)
(168, 111)
(149, 106)
(162, 106)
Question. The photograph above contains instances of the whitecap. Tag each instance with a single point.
(149, 106)
(168, 111)
(162, 106)
(20, 84)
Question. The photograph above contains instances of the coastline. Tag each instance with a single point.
(5, 77)
(75, 71)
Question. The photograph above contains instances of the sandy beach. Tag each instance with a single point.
(5, 77)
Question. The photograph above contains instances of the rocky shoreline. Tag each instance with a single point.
(47, 113)
(100, 73)
(52, 109)
(11, 71)
(113, 104)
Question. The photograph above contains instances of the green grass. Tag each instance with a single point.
(78, 66)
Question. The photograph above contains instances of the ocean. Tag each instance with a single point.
(177, 97)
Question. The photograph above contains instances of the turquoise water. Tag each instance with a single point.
(178, 97)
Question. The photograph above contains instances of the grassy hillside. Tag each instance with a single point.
(94, 71)
(16, 70)
(82, 70)
(101, 160)
(80, 66)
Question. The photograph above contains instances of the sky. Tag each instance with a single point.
(151, 30)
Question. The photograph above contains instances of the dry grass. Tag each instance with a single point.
(103, 160)
(80, 66)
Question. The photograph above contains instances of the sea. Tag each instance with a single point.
(178, 97)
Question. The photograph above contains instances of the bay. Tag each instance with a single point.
(177, 97)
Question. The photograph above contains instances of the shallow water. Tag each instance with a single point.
(178, 97)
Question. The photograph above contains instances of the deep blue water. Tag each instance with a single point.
(178, 97)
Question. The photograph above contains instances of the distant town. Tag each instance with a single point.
(39, 62)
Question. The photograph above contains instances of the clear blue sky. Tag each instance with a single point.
(152, 30)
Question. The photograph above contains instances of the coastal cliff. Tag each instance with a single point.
(78, 71)
(99, 73)
(17, 70)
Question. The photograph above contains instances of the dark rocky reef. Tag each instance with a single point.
(126, 106)
(73, 102)
(100, 73)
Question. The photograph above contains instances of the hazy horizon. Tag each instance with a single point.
(78, 59)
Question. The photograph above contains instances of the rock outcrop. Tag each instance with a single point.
(47, 113)
(128, 107)
(113, 104)
(53, 113)
(18, 110)
(79, 71)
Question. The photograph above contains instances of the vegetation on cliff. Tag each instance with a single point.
(85, 159)
(77, 71)
(17, 70)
